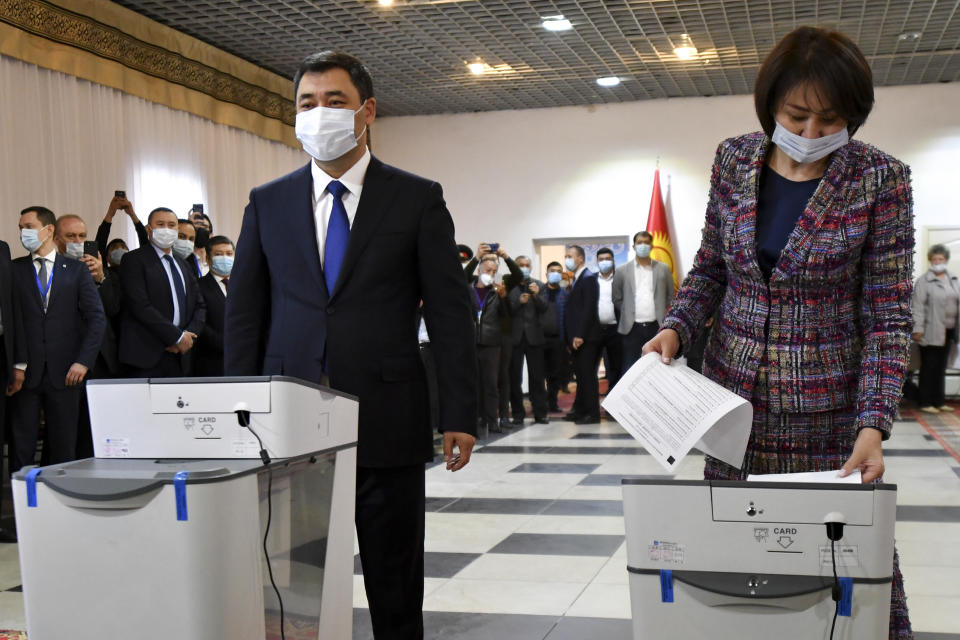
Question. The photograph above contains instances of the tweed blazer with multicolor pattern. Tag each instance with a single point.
(832, 324)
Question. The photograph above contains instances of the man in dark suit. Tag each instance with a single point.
(184, 246)
(583, 332)
(163, 311)
(63, 323)
(71, 233)
(213, 287)
(106, 246)
(333, 260)
(13, 352)
(526, 307)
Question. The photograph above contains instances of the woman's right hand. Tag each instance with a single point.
(666, 343)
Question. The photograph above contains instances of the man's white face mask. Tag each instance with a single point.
(327, 133)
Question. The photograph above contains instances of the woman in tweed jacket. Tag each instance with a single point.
(806, 258)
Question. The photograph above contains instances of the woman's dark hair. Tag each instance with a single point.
(829, 62)
(326, 60)
(938, 250)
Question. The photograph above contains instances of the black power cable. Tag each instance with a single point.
(243, 418)
(835, 532)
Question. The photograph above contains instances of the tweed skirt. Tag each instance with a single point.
(791, 443)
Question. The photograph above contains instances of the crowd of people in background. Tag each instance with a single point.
(77, 310)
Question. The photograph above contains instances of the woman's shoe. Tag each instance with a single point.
(929, 409)
(945, 407)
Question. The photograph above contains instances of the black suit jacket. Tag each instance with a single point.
(580, 313)
(526, 317)
(72, 328)
(108, 364)
(14, 342)
(146, 326)
(282, 320)
(209, 349)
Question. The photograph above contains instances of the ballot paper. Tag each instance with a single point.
(808, 476)
(671, 408)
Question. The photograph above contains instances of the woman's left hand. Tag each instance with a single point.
(867, 456)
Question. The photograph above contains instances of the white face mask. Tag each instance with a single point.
(643, 250)
(163, 238)
(117, 255)
(486, 279)
(805, 150)
(30, 239)
(326, 133)
(74, 250)
(938, 268)
(182, 248)
(605, 265)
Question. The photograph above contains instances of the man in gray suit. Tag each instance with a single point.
(642, 293)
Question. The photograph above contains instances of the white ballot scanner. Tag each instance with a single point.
(180, 530)
(753, 561)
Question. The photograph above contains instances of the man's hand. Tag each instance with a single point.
(464, 443)
(186, 342)
(867, 456)
(96, 267)
(76, 374)
(577, 343)
(19, 375)
(502, 253)
(666, 343)
(524, 298)
(482, 249)
(917, 337)
(533, 288)
(501, 290)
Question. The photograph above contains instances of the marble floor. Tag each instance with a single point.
(527, 542)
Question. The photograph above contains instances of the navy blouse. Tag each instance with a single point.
(780, 203)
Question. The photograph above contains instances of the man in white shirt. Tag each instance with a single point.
(611, 344)
(642, 293)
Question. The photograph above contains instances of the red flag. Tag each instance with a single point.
(657, 226)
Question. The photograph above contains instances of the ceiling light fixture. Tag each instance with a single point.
(477, 68)
(909, 36)
(608, 81)
(385, 3)
(556, 23)
(686, 50)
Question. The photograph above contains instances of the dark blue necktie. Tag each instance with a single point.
(338, 233)
(178, 287)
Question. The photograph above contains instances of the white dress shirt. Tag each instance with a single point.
(605, 311)
(219, 278)
(50, 259)
(173, 290)
(323, 199)
(643, 304)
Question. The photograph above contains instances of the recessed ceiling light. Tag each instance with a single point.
(608, 81)
(909, 36)
(477, 68)
(385, 3)
(556, 23)
(685, 50)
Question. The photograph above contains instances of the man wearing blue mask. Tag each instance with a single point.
(555, 355)
(611, 345)
(214, 287)
(642, 293)
(331, 296)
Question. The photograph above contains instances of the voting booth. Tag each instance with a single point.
(752, 560)
(178, 528)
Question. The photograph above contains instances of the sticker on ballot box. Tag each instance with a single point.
(116, 447)
(669, 552)
(848, 555)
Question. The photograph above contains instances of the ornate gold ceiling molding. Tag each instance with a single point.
(107, 44)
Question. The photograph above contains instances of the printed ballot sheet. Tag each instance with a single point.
(671, 408)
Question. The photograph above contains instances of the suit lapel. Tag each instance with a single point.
(299, 208)
(794, 254)
(370, 211)
(745, 220)
(59, 276)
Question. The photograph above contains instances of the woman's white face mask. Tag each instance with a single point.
(805, 150)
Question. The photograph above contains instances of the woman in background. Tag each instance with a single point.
(936, 307)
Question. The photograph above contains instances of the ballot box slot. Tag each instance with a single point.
(218, 399)
(785, 503)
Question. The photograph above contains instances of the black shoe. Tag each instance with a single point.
(554, 409)
(543, 420)
(588, 420)
(504, 423)
(517, 422)
(495, 427)
(572, 417)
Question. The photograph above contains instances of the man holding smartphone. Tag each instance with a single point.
(119, 203)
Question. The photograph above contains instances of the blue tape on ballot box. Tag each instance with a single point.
(666, 585)
(180, 492)
(32, 486)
